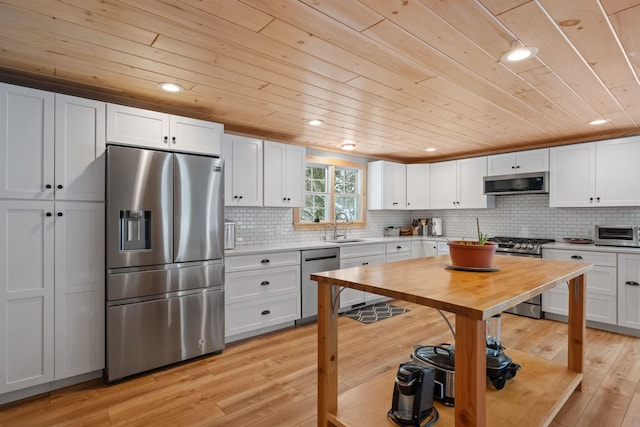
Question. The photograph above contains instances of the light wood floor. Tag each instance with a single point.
(271, 381)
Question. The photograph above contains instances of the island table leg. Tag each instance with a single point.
(471, 372)
(327, 354)
(577, 325)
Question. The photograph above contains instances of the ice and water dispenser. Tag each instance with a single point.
(135, 230)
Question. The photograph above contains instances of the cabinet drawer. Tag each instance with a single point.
(362, 250)
(607, 259)
(258, 284)
(253, 315)
(398, 256)
(600, 308)
(261, 261)
(600, 280)
(392, 248)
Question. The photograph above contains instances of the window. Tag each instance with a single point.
(331, 187)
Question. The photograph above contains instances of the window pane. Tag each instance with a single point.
(316, 196)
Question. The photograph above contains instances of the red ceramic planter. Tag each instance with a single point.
(470, 254)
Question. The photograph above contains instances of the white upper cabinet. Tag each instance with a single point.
(458, 184)
(26, 143)
(79, 149)
(418, 186)
(161, 131)
(519, 162)
(595, 174)
(51, 146)
(243, 170)
(284, 174)
(386, 185)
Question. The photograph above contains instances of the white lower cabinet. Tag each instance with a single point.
(51, 291)
(629, 290)
(356, 256)
(429, 248)
(261, 291)
(602, 288)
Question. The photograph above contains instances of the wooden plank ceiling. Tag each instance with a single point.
(395, 76)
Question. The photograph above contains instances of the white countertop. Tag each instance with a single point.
(319, 244)
(590, 247)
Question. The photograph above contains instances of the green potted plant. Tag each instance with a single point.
(472, 254)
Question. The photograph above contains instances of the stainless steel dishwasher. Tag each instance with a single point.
(314, 261)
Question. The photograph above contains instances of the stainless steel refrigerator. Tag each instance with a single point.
(165, 258)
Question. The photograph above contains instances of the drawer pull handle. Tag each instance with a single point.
(265, 261)
(632, 283)
(265, 283)
(576, 257)
(265, 312)
(398, 247)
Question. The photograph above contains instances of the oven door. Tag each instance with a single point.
(531, 307)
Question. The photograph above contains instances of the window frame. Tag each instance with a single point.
(332, 164)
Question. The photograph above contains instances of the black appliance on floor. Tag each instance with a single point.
(413, 396)
(441, 358)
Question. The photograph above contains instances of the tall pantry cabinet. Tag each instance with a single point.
(51, 237)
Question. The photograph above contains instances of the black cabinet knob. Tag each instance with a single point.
(48, 214)
(265, 283)
(265, 312)
(265, 261)
(48, 186)
(173, 139)
(166, 139)
(59, 214)
(576, 257)
(59, 186)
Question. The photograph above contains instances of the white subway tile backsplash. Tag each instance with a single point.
(514, 216)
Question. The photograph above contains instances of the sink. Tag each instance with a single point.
(345, 240)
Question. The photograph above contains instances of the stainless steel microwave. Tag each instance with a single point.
(617, 235)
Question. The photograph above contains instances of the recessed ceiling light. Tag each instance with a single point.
(315, 122)
(430, 149)
(598, 122)
(519, 54)
(348, 145)
(171, 87)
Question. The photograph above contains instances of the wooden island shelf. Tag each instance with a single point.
(473, 298)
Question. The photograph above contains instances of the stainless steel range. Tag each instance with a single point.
(519, 246)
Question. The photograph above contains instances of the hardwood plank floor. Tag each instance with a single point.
(271, 380)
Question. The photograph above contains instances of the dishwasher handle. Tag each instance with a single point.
(320, 258)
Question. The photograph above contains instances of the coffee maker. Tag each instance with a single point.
(413, 395)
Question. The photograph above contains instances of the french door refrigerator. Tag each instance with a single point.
(165, 258)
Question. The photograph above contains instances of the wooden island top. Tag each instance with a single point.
(473, 297)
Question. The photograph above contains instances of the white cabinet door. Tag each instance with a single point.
(617, 172)
(26, 143)
(470, 184)
(518, 162)
(458, 184)
(418, 186)
(195, 136)
(243, 170)
(348, 296)
(629, 290)
(284, 167)
(444, 185)
(572, 175)
(79, 288)
(429, 248)
(137, 127)
(26, 294)
(386, 185)
(79, 149)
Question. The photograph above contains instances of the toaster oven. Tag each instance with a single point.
(617, 235)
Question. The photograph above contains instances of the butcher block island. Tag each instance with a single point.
(473, 297)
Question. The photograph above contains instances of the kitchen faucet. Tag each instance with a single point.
(340, 215)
